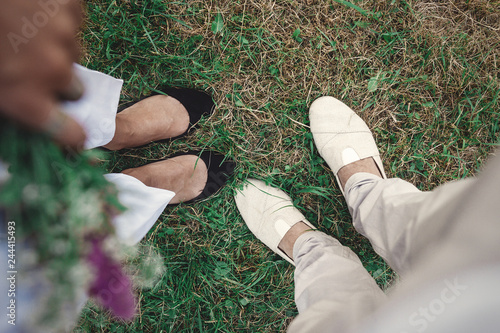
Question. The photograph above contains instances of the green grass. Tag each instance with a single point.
(424, 76)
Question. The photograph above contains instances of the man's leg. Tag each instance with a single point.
(447, 250)
(382, 209)
(452, 246)
(390, 213)
(330, 280)
(387, 211)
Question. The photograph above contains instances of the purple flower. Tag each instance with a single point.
(112, 287)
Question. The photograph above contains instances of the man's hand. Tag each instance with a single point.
(37, 52)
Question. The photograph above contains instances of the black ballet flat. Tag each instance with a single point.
(197, 103)
(219, 171)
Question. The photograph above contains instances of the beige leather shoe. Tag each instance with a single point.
(269, 213)
(340, 135)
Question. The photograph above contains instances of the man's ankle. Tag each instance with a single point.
(288, 241)
(365, 165)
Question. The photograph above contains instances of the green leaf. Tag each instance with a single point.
(420, 165)
(274, 70)
(390, 36)
(218, 24)
(361, 24)
(353, 6)
(296, 35)
(242, 40)
(332, 43)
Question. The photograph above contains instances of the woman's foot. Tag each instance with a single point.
(185, 175)
(193, 176)
(155, 118)
(160, 116)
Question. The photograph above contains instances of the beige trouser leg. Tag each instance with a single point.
(330, 281)
(389, 212)
(332, 287)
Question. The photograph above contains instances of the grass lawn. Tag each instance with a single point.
(423, 74)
